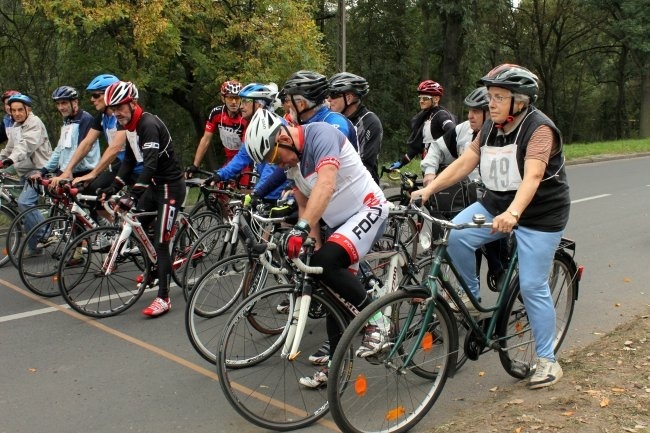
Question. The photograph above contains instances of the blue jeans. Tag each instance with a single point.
(536, 250)
(28, 198)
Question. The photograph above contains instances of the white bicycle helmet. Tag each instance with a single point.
(260, 134)
(260, 92)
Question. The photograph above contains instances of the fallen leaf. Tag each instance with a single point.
(617, 304)
(518, 430)
(626, 280)
(629, 343)
(618, 389)
(481, 373)
(516, 401)
(604, 402)
(32, 370)
(494, 389)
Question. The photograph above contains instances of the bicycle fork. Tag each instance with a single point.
(298, 322)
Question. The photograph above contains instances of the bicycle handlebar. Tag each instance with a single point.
(298, 263)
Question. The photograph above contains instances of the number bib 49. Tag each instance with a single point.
(499, 169)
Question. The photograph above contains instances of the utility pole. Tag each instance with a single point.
(342, 38)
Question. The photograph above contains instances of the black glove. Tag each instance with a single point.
(126, 202)
(105, 193)
(190, 170)
(8, 162)
(212, 180)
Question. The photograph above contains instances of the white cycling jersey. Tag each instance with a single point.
(355, 189)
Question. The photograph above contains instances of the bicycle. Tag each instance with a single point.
(38, 271)
(48, 207)
(393, 389)
(117, 265)
(229, 279)
(259, 358)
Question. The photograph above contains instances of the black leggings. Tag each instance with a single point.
(335, 262)
(167, 199)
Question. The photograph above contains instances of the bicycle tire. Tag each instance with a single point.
(184, 241)
(7, 215)
(215, 292)
(87, 289)
(261, 384)
(211, 247)
(259, 279)
(382, 394)
(40, 273)
(17, 230)
(517, 354)
(462, 327)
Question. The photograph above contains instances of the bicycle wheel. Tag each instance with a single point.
(384, 393)
(215, 292)
(7, 215)
(41, 251)
(88, 288)
(18, 229)
(184, 240)
(517, 354)
(260, 383)
(208, 249)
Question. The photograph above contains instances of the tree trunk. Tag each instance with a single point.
(644, 112)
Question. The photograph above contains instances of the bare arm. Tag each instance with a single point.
(456, 171)
(109, 155)
(82, 150)
(202, 148)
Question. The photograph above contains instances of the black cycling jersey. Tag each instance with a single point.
(369, 136)
(150, 144)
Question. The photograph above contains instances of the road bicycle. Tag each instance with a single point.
(264, 351)
(41, 250)
(117, 264)
(393, 389)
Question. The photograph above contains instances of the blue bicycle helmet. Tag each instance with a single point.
(65, 93)
(19, 97)
(101, 82)
(257, 91)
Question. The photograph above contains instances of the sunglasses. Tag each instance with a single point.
(96, 95)
(247, 100)
(425, 98)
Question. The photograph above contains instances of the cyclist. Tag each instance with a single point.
(77, 125)
(7, 120)
(444, 151)
(532, 193)
(114, 154)
(255, 96)
(28, 149)
(332, 184)
(104, 122)
(346, 91)
(307, 91)
(429, 124)
(228, 120)
(160, 186)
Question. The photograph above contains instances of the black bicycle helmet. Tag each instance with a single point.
(348, 82)
(478, 98)
(515, 78)
(311, 85)
(65, 93)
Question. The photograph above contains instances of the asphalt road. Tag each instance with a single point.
(62, 372)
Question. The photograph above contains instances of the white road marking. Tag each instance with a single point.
(30, 313)
(595, 197)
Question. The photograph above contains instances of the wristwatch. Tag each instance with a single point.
(514, 213)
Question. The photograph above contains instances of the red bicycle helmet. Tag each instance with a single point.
(430, 87)
(232, 87)
(120, 92)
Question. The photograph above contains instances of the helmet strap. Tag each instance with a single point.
(511, 117)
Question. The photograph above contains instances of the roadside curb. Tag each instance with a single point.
(600, 158)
